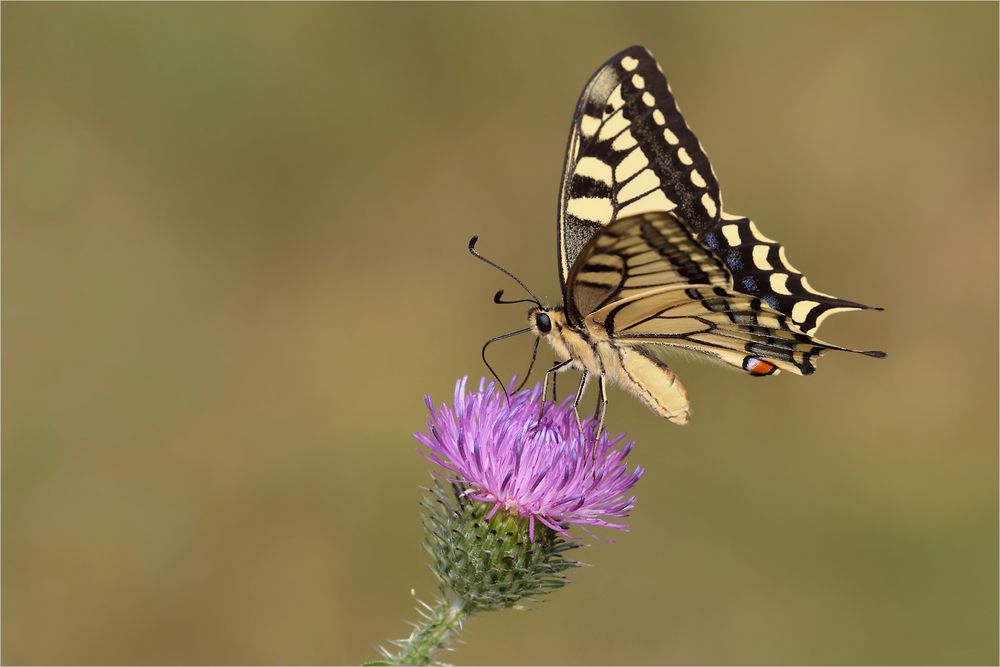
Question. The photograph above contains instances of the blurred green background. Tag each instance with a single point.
(234, 260)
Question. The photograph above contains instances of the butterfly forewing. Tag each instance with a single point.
(630, 152)
(646, 279)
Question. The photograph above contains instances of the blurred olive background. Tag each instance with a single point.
(234, 261)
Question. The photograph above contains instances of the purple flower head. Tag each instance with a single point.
(543, 470)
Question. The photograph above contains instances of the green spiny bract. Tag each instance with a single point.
(490, 563)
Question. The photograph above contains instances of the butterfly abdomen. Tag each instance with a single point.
(642, 373)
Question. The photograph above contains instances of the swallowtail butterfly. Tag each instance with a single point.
(648, 257)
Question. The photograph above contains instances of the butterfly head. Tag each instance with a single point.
(542, 321)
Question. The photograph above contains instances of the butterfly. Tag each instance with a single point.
(648, 257)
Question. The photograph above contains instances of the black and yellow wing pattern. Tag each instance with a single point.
(630, 152)
(646, 250)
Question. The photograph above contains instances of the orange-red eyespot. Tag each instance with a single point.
(759, 367)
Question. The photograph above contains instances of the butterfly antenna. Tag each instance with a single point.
(493, 340)
(534, 353)
(475, 253)
(497, 299)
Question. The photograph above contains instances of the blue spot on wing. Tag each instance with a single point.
(749, 283)
(712, 241)
(772, 301)
(734, 259)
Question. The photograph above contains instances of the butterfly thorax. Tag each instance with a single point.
(568, 341)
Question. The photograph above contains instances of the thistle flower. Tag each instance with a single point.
(531, 461)
(514, 477)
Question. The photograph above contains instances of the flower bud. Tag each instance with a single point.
(490, 562)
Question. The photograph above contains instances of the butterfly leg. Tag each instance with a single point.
(545, 384)
(584, 376)
(601, 410)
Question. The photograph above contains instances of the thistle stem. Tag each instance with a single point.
(440, 624)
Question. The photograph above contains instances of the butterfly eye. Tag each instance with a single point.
(543, 323)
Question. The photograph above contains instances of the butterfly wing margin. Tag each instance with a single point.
(630, 151)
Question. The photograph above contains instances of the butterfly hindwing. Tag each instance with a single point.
(647, 280)
(759, 267)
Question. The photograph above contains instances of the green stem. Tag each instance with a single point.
(439, 626)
